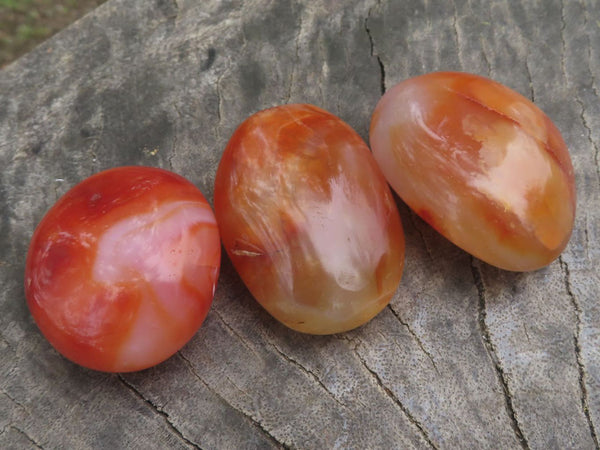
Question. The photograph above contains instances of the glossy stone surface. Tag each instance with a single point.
(308, 219)
(481, 164)
(121, 271)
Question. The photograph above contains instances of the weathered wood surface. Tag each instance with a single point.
(465, 356)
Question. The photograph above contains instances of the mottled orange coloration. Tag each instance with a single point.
(121, 271)
(481, 163)
(308, 219)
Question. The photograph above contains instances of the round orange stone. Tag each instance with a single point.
(122, 270)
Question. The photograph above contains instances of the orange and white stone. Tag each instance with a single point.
(122, 270)
(308, 220)
(481, 164)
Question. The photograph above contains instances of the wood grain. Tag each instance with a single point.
(465, 356)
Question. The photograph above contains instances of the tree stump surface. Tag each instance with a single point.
(465, 356)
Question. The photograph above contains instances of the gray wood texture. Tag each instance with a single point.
(465, 356)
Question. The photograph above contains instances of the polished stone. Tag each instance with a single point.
(481, 164)
(308, 219)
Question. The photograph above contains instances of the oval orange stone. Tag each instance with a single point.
(480, 163)
(308, 220)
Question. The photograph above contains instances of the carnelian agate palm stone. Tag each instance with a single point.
(308, 220)
(121, 271)
(481, 164)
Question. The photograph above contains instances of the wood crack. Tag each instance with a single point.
(595, 91)
(578, 355)
(415, 337)
(158, 411)
(276, 442)
(26, 435)
(173, 153)
(388, 392)
(220, 99)
(235, 333)
(488, 64)
(16, 402)
(296, 57)
(456, 33)
(563, 26)
(193, 371)
(374, 53)
(588, 132)
(491, 351)
(529, 77)
(416, 225)
(306, 371)
(219, 107)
